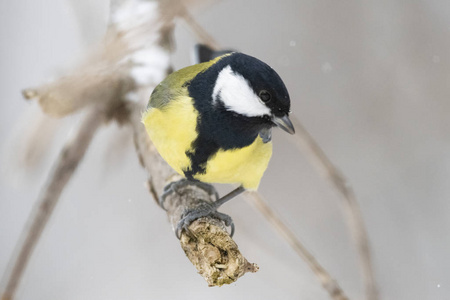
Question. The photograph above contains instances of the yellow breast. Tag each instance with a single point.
(173, 129)
(245, 166)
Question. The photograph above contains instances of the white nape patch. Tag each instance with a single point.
(237, 95)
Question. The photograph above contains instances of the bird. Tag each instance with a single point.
(212, 123)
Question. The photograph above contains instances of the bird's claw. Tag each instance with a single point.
(204, 210)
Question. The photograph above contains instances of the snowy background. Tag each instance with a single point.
(369, 79)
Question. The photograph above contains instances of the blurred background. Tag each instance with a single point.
(370, 81)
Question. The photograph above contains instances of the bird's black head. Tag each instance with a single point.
(249, 87)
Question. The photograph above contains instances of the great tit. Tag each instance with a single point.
(212, 123)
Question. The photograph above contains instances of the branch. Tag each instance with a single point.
(304, 141)
(64, 168)
(202, 35)
(325, 278)
(207, 244)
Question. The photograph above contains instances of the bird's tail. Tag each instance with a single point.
(203, 53)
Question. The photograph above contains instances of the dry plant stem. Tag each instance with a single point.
(306, 143)
(63, 170)
(327, 281)
(202, 35)
(207, 244)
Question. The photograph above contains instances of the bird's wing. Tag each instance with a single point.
(161, 95)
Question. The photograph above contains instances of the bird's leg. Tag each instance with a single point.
(208, 209)
(229, 196)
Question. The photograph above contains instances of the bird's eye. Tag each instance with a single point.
(265, 96)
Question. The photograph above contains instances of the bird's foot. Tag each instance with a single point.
(206, 209)
(175, 186)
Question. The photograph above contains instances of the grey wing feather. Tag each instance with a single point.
(160, 97)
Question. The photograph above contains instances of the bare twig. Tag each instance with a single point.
(32, 141)
(202, 35)
(325, 278)
(207, 244)
(304, 141)
(63, 170)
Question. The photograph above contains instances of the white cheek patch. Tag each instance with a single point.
(237, 95)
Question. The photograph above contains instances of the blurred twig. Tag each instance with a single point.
(329, 284)
(65, 166)
(202, 35)
(32, 140)
(304, 141)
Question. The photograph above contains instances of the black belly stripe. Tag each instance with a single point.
(199, 156)
(215, 133)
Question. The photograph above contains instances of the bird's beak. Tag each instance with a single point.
(284, 123)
